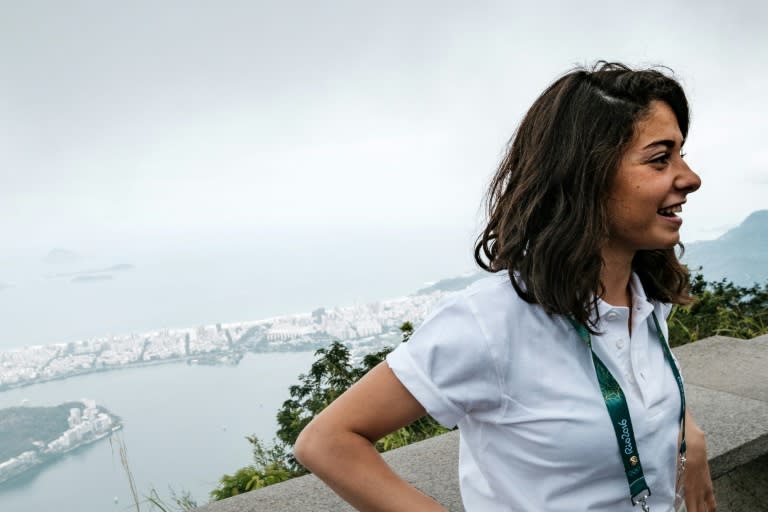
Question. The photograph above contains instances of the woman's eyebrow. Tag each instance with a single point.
(668, 143)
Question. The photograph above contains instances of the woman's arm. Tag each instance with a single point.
(699, 493)
(338, 445)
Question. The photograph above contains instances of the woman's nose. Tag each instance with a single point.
(688, 180)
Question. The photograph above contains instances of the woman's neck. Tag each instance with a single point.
(614, 276)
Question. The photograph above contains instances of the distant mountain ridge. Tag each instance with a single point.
(452, 284)
(740, 255)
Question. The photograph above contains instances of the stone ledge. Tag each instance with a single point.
(727, 364)
(736, 427)
(744, 489)
(431, 466)
(727, 385)
(727, 390)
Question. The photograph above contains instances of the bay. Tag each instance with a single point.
(184, 426)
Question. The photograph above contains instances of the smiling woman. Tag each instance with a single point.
(582, 229)
(650, 186)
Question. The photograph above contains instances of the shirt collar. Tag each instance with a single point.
(641, 306)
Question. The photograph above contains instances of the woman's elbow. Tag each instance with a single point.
(308, 446)
(303, 447)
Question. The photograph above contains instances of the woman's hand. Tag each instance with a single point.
(699, 493)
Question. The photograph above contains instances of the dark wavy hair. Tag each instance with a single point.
(547, 207)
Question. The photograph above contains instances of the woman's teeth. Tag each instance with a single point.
(668, 212)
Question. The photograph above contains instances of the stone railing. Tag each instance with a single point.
(727, 390)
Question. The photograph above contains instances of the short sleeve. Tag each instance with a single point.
(447, 364)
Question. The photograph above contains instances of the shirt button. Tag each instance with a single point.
(630, 379)
(611, 315)
(620, 343)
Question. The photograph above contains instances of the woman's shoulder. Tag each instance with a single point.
(495, 292)
(490, 287)
(494, 306)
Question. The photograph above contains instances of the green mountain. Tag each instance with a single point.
(740, 255)
(21, 427)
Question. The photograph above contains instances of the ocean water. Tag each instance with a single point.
(185, 283)
(184, 427)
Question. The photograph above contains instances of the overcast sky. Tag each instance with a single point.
(159, 118)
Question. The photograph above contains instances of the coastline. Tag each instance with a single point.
(357, 326)
(88, 425)
(43, 462)
(106, 369)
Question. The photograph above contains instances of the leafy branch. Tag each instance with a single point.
(330, 375)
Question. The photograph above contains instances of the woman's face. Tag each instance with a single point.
(650, 186)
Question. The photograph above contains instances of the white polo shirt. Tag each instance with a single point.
(535, 434)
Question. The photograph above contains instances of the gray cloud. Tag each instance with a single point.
(162, 117)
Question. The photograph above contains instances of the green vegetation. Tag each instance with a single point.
(720, 308)
(182, 501)
(20, 427)
(330, 375)
(271, 465)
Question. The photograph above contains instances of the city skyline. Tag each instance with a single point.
(364, 327)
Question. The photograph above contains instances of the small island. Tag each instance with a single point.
(31, 436)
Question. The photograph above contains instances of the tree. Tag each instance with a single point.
(331, 374)
(271, 465)
(720, 308)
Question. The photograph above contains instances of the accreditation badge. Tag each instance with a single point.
(680, 488)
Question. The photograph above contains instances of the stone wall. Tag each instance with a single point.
(727, 389)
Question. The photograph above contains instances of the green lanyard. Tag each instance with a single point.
(616, 403)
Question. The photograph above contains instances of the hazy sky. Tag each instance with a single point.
(160, 118)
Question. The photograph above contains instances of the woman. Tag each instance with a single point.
(581, 235)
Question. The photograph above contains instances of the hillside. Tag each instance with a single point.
(740, 255)
(453, 284)
(33, 436)
(21, 427)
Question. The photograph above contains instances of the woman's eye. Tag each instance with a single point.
(662, 159)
